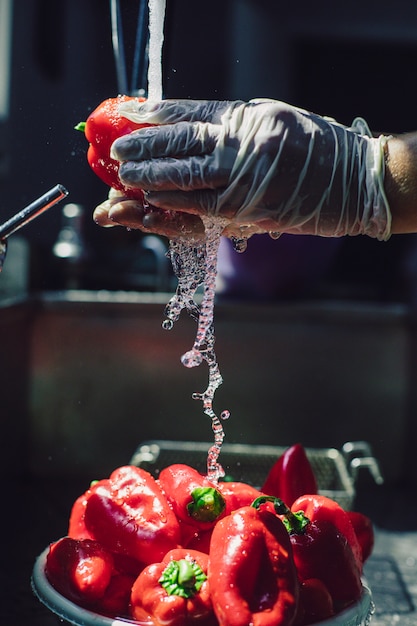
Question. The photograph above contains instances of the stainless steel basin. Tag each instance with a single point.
(87, 376)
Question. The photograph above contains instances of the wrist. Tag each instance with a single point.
(401, 182)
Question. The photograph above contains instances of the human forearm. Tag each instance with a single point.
(401, 182)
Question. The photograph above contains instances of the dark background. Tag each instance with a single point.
(343, 59)
(337, 59)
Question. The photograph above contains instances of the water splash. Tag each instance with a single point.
(239, 244)
(195, 265)
(274, 234)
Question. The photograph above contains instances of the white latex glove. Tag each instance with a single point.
(265, 165)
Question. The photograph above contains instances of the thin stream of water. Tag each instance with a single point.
(195, 265)
(156, 39)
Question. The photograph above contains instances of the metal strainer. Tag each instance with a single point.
(335, 470)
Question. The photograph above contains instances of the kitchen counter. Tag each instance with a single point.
(392, 575)
(36, 512)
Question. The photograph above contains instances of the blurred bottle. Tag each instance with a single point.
(14, 277)
(70, 248)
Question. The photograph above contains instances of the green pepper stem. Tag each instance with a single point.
(206, 505)
(80, 126)
(182, 578)
(295, 523)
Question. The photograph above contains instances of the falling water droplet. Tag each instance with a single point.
(275, 234)
(239, 244)
(167, 324)
(192, 358)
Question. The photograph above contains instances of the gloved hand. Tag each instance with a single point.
(264, 165)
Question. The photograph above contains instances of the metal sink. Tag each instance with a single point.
(89, 375)
(391, 573)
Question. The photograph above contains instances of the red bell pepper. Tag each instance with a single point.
(116, 599)
(321, 551)
(77, 529)
(291, 476)
(80, 570)
(195, 539)
(251, 570)
(194, 499)
(237, 494)
(198, 503)
(85, 572)
(103, 126)
(76, 526)
(129, 514)
(175, 591)
(315, 604)
(364, 531)
(318, 508)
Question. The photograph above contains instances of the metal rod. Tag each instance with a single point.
(139, 65)
(49, 199)
(140, 69)
(118, 46)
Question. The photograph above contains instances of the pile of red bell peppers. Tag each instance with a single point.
(179, 549)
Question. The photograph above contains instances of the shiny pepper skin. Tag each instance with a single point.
(320, 508)
(322, 552)
(237, 494)
(194, 499)
(315, 604)
(364, 531)
(103, 126)
(129, 515)
(251, 570)
(76, 525)
(116, 600)
(80, 570)
(291, 476)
